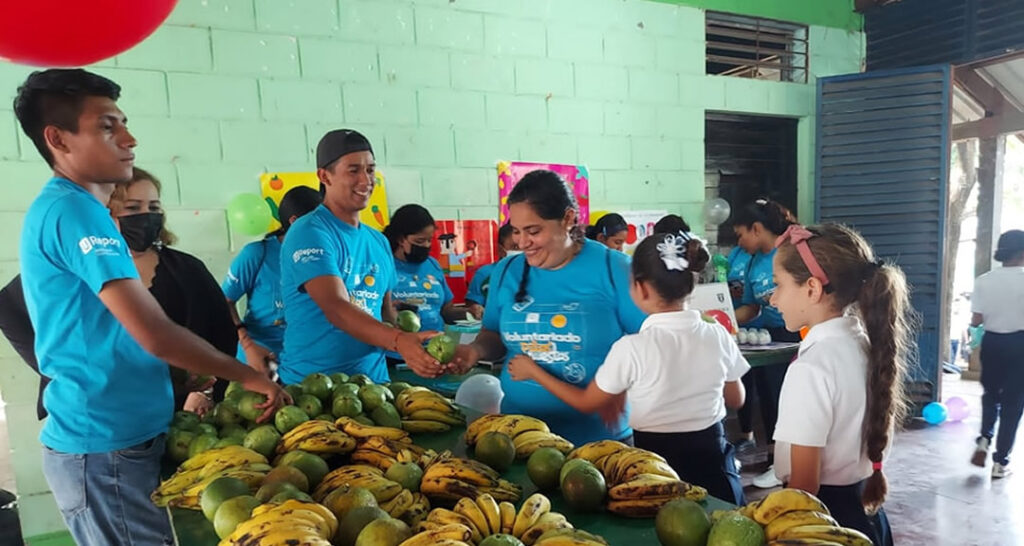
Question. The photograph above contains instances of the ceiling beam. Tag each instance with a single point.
(990, 98)
(1009, 122)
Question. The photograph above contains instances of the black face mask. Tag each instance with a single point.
(141, 230)
(417, 254)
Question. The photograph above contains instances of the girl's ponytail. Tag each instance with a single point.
(884, 306)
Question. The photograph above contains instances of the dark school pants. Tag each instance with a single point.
(703, 458)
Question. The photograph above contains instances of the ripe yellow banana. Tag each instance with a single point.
(595, 450)
(418, 511)
(426, 402)
(240, 455)
(803, 542)
(533, 508)
(468, 508)
(290, 440)
(447, 489)
(786, 500)
(568, 540)
(648, 466)
(514, 425)
(491, 511)
(577, 534)
(447, 517)
(842, 535)
(508, 517)
(462, 469)
(373, 458)
(414, 426)
(360, 431)
(547, 522)
(442, 535)
(530, 441)
(797, 518)
(331, 443)
(398, 506)
(648, 485)
(749, 509)
(638, 508)
(439, 416)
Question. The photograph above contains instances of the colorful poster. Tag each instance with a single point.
(273, 186)
(641, 224)
(714, 301)
(462, 247)
(509, 173)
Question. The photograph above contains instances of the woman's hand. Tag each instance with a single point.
(198, 403)
(196, 383)
(276, 396)
(476, 310)
(410, 346)
(522, 367)
(466, 357)
(611, 413)
(258, 357)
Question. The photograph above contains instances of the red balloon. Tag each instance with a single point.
(75, 32)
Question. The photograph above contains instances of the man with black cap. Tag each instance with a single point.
(998, 306)
(337, 274)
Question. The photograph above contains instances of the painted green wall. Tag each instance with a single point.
(827, 13)
(230, 88)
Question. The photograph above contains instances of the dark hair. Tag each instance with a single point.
(120, 195)
(298, 201)
(55, 97)
(504, 232)
(772, 215)
(550, 197)
(879, 294)
(607, 225)
(407, 220)
(672, 223)
(671, 284)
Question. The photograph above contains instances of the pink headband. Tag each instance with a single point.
(798, 236)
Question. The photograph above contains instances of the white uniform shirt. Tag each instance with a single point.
(999, 296)
(823, 401)
(674, 369)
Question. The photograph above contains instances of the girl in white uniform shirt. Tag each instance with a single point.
(844, 392)
(998, 304)
(679, 372)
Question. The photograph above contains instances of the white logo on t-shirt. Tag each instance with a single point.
(307, 255)
(102, 245)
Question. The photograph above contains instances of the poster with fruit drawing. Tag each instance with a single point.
(641, 224)
(714, 303)
(462, 247)
(273, 186)
(510, 172)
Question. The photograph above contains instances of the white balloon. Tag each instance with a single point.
(716, 211)
(481, 392)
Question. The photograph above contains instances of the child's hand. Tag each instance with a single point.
(611, 414)
(522, 367)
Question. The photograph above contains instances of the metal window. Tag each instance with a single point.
(753, 47)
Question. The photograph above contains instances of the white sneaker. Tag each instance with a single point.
(981, 452)
(767, 480)
(1000, 471)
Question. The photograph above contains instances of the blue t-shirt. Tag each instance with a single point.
(320, 244)
(739, 264)
(759, 287)
(477, 291)
(106, 393)
(256, 274)
(423, 285)
(568, 323)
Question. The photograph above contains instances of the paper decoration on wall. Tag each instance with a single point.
(510, 172)
(273, 186)
(462, 247)
(641, 224)
(714, 301)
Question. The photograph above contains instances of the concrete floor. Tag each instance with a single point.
(936, 497)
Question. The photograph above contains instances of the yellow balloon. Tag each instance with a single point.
(596, 215)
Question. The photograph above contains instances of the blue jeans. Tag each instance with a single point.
(104, 497)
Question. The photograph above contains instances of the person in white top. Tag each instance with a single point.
(844, 392)
(679, 372)
(998, 306)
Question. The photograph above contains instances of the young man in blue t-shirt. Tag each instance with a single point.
(337, 275)
(100, 336)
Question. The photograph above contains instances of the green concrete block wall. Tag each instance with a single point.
(229, 88)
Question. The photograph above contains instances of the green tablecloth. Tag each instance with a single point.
(193, 529)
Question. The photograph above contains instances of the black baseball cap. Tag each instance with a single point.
(340, 142)
(1010, 244)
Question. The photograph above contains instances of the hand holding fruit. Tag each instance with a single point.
(258, 357)
(476, 310)
(410, 346)
(522, 367)
(276, 396)
(198, 403)
(466, 356)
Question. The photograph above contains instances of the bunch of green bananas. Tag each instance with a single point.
(449, 478)
(291, 522)
(183, 488)
(794, 516)
(640, 481)
(318, 437)
(473, 520)
(424, 411)
(527, 433)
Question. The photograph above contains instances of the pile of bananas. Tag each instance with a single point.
(527, 433)
(362, 432)
(407, 506)
(291, 522)
(793, 516)
(383, 453)
(182, 489)
(424, 410)
(368, 477)
(447, 479)
(639, 481)
(318, 437)
(473, 520)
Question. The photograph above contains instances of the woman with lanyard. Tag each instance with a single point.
(757, 226)
(421, 286)
(611, 231)
(563, 302)
(256, 274)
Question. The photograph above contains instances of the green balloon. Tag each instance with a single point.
(249, 214)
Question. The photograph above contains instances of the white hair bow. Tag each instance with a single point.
(673, 252)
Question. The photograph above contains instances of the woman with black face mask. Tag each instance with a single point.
(185, 289)
(421, 286)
